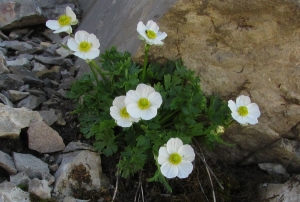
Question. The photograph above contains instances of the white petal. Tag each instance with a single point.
(62, 29)
(157, 43)
(80, 55)
(124, 122)
(253, 110)
(238, 118)
(70, 13)
(152, 26)
(53, 24)
(119, 102)
(144, 90)
(161, 36)
(184, 169)
(72, 44)
(155, 99)
(148, 114)
(243, 101)
(132, 97)
(81, 36)
(115, 112)
(173, 145)
(93, 39)
(93, 53)
(186, 152)
(250, 119)
(141, 29)
(169, 170)
(133, 110)
(163, 155)
(232, 106)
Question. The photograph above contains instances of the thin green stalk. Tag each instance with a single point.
(162, 121)
(93, 63)
(94, 73)
(147, 48)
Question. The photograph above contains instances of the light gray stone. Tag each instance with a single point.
(5, 100)
(11, 193)
(273, 169)
(21, 178)
(37, 67)
(18, 33)
(73, 146)
(40, 188)
(19, 62)
(3, 65)
(7, 163)
(16, 45)
(44, 139)
(51, 73)
(15, 95)
(26, 75)
(49, 116)
(12, 120)
(10, 82)
(30, 102)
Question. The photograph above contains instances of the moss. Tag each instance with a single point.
(35, 198)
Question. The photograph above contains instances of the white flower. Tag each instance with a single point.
(150, 33)
(64, 22)
(119, 113)
(243, 111)
(176, 159)
(143, 102)
(85, 45)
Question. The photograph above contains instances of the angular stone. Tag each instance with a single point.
(3, 65)
(31, 102)
(48, 116)
(51, 73)
(12, 120)
(12, 193)
(5, 100)
(7, 163)
(40, 188)
(10, 82)
(15, 95)
(18, 33)
(52, 36)
(44, 139)
(63, 52)
(67, 82)
(19, 62)
(16, 45)
(73, 146)
(20, 178)
(38, 67)
(50, 60)
(27, 76)
(273, 169)
(26, 56)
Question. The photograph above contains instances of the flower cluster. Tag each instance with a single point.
(141, 103)
(175, 92)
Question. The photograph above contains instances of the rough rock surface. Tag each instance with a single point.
(243, 47)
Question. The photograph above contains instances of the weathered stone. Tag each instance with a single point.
(15, 95)
(19, 62)
(73, 146)
(67, 82)
(48, 116)
(31, 102)
(87, 162)
(52, 36)
(12, 120)
(273, 169)
(20, 179)
(40, 188)
(27, 76)
(60, 118)
(26, 56)
(10, 82)
(7, 163)
(5, 100)
(32, 166)
(287, 192)
(18, 33)
(50, 60)
(63, 52)
(16, 45)
(11, 193)
(3, 65)
(51, 73)
(44, 139)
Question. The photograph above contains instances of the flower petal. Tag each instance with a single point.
(250, 119)
(80, 55)
(243, 101)
(81, 36)
(155, 99)
(161, 35)
(163, 155)
(169, 170)
(93, 53)
(232, 106)
(173, 145)
(132, 97)
(70, 13)
(119, 102)
(253, 110)
(149, 113)
(62, 29)
(186, 152)
(115, 112)
(238, 118)
(141, 28)
(93, 39)
(184, 169)
(72, 44)
(152, 26)
(133, 110)
(144, 90)
(124, 122)
(53, 24)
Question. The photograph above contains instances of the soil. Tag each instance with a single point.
(240, 183)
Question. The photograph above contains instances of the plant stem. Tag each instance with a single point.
(94, 73)
(93, 63)
(165, 119)
(147, 48)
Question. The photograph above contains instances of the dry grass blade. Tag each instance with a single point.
(117, 183)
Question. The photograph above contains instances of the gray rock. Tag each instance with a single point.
(3, 65)
(19, 62)
(73, 146)
(27, 76)
(10, 82)
(44, 139)
(53, 37)
(50, 60)
(26, 56)
(11, 193)
(87, 162)
(40, 188)
(32, 166)
(16, 45)
(67, 82)
(49, 116)
(18, 33)
(7, 163)
(51, 73)
(20, 178)
(5, 100)
(30, 102)
(38, 67)
(53, 168)
(15, 95)
(63, 52)
(61, 121)
(12, 120)
(273, 169)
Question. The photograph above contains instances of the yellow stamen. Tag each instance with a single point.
(175, 158)
(85, 46)
(243, 111)
(64, 20)
(150, 34)
(124, 113)
(144, 103)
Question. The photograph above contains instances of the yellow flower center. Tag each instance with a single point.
(175, 158)
(64, 20)
(124, 113)
(144, 103)
(243, 111)
(150, 34)
(85, 46)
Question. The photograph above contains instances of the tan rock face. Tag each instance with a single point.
(241, 47)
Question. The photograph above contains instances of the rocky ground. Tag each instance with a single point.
(44, 157)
